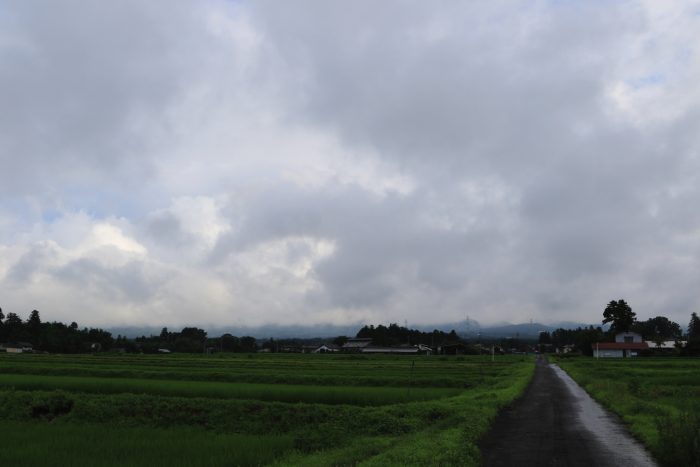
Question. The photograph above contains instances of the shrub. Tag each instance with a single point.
(51, 406)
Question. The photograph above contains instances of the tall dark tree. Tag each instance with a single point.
(34, 321)
(33, 328)
(693, 345)
(694, 327)
(230, 343)
(248, 344)
(658, 329)
(620, 316)
(13, 328)
(2, 316)
(586, 337)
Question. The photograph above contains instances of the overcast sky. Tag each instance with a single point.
(325, 162)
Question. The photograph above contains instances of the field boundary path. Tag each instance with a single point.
(556, 423)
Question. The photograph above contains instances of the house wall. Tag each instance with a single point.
(608, 353)
(621, 337)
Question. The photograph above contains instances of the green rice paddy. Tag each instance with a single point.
(261, 409)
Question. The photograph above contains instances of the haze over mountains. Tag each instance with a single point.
(474, 331)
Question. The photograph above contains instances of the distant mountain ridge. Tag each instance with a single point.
(474, 330)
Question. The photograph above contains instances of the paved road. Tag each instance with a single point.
(555, 423)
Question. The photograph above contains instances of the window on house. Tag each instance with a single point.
(629, 339)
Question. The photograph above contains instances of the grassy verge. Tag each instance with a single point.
(658, 398)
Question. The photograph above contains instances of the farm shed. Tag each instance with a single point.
(326, 348)
(667, 345)
(391, 350)
(453, 349)
(356, 344)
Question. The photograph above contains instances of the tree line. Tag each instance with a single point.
(51, 337)
(189, 340)
(393, 335)
(57, 337)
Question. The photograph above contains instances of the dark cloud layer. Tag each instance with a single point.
(314, 162)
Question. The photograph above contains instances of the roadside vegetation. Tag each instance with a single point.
(658, 398)
(257, 409)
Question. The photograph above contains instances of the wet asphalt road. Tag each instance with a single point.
(546, 427)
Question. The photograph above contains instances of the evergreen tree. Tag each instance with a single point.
(693, 345)
(658, 329)
(620, 316)
(694, 327)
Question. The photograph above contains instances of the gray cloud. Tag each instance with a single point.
(87, 86)
(125, 284)
(314, 162)
(29, 263)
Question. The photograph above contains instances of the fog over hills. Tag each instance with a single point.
(475, 331)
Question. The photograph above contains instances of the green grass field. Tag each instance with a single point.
(70, 444)
(256, 391)
(271, 409)
(659, 398)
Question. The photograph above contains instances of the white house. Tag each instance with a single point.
(627, 344)
(20, 347)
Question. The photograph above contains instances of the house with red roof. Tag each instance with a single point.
(627, 344)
